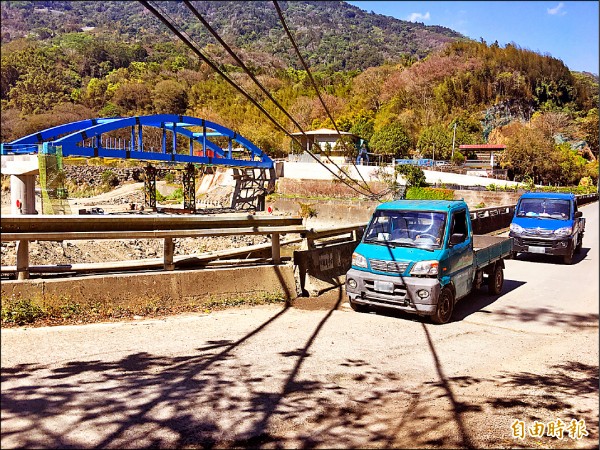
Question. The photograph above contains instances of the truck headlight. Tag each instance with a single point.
(425, 268)
(517, 229)
(359, 260)
(564, 231)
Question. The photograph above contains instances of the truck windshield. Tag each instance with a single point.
(544, 208)
(407, 228)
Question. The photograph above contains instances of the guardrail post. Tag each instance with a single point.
(169, 249)
(23, 259)
(275, 248)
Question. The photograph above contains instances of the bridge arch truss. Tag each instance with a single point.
(86, 138)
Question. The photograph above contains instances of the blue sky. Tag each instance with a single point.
(567, 30)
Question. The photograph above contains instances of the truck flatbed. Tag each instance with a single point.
(489, 249)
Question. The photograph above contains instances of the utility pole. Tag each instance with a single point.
(453, 140)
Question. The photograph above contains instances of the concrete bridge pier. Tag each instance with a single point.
(22, 194)
(22, 170)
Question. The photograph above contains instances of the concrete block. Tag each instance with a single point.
(324, 268)
(177, 288)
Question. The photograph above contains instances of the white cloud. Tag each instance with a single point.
(557, 10)
(418, 17)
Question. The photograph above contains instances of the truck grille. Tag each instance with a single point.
(538, 243)
(398, 296)
(538, 232)
(388, 266)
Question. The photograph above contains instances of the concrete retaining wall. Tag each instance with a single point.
(337, 212)
(178, 287)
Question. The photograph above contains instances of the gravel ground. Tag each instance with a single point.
(120, 201)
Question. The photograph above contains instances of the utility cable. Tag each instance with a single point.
(312, 80)
(188, 42)
(262, 88)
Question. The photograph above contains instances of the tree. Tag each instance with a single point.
(169, 97)
(363, 126)
(391, 139)
(568, 166)
(38, 91)
(527, 154)
(414, 175)
(589, 129)
(133, 98)
(436, 138)
(550, 122)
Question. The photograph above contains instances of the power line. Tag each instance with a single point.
(251, 75)
(312, 80)
(148, 6)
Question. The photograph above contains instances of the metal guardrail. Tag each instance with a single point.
(24, 229)
(586, 198)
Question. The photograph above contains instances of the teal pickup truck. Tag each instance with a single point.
(420, 256)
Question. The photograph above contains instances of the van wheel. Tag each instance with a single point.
(496, 280)
(445, 307)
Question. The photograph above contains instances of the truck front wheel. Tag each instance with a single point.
(568, 258)
(445, 307)
(579, 244)
(496, 280)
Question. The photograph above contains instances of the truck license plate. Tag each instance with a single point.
(384, 286)
(533, 249)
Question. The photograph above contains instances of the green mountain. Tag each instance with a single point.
(332, 35)
(402, 87)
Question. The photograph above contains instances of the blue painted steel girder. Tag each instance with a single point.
(75, 133)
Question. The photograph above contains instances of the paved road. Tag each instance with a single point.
(320, 375)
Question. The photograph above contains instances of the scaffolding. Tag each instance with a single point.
(52, 180)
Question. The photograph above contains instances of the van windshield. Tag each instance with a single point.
(407, 228)
(544, 208)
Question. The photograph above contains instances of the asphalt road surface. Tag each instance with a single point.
(510, 371)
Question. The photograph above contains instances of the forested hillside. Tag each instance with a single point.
(334, 35)
(404, 95)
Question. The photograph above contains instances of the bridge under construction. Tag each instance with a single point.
(193, 143)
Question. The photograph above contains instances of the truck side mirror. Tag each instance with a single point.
(457, 238)
(578, 214)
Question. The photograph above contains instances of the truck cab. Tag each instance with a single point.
(419, 256)
(548, 224)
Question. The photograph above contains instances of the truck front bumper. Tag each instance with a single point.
(410, 294)
(543, 246)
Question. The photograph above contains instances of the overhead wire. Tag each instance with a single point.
(188, 41)
(259, 84)
(312, 80)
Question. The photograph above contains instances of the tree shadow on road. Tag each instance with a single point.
(212, 397)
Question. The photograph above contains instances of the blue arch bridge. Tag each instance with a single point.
(163, 138)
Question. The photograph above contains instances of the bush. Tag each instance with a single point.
(421, 193)
(175, 196)
(307, 211)
(21, 312)
(414, 175)
(109, 178)
(169, 177)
